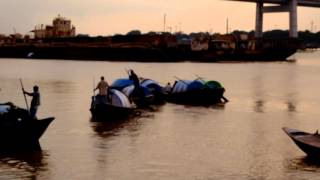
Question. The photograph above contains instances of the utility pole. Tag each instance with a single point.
(227, 26)
(164, 23)
(170, 29)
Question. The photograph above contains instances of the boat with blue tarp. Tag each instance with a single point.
(196, 92)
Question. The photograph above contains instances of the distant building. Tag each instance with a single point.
(60, 28)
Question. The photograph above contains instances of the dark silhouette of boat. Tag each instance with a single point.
(307, 142)
(117, 106)
(19, 131)
(196, 92)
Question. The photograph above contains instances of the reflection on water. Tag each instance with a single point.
(28, 165)
(304, 163)
(259, 106)
(291, 107)
(106, 129)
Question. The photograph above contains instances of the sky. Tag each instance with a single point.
(109, 17)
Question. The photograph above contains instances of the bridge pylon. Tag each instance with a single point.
(290, 7)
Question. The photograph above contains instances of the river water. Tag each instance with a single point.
(241, 140)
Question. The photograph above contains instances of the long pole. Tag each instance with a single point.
(127, 71)
(200, 78)
(94, 85)
(25, 98)
(181, 80)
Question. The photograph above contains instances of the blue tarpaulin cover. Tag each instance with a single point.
(151, 84)
(187, 85)
(121, 83)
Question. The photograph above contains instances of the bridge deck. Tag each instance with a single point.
(306, 3)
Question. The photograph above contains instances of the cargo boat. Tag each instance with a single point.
(156, 48)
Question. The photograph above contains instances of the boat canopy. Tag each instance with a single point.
(119, 99)
(147, 82)
(187, 85)
(119, 84)
(4, 109)
(213, 85)
(151, 84)
(195, 85)
(129, 90)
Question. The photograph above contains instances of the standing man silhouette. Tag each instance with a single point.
(35, 102)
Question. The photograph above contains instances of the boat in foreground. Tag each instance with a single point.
(307, 142)
(19, 131)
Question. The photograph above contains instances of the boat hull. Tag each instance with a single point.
(198, 97)
(109, 112)
(307, 142)
(23, 135)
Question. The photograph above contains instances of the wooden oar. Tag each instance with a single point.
(25, 98)
(127, 71)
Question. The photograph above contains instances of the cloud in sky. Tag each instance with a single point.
(106, 17)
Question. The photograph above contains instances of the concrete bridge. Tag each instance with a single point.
(289, 6)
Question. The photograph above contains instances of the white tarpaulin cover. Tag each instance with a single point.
(119, 99)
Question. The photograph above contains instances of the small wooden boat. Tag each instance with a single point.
(109, 112)
(19, 131)
(307, 142)
(116, 106)
(194, 92)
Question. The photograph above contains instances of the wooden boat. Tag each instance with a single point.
(307, 142)
(194, 92)
(18, 131)
(110, 112)
(116, 107)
